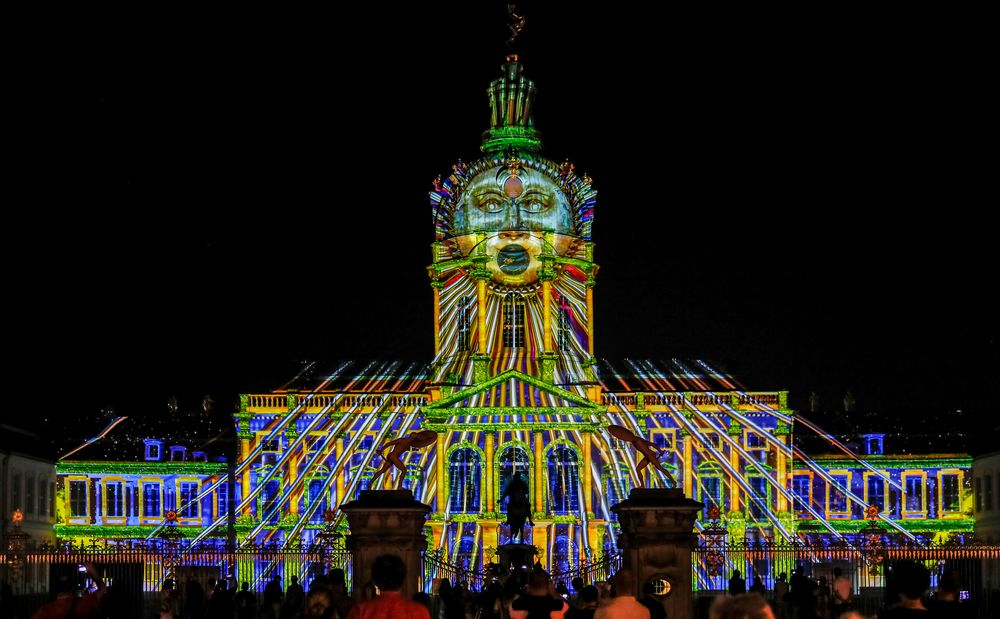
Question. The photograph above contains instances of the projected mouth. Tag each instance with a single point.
(513, 260)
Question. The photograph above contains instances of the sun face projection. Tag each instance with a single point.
(513, 212)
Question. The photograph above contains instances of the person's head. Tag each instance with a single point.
(746, 606)
(275, 577)
(949, 585)
(318, 602)
(736, 573)
(538, 582)
(837, 572)
(757, 580)
(168, 584)
(295, 579)
(337, 578)
(246, 586)
(910, 580)
(589, 596)
(388, 572)
(577, 584)
(624, 583)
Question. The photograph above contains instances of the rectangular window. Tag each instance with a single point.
(836, 497)
(513, 321)
(188, 499)
(43, 487)
(464, 323)
(222, 500)
(758, 502)
(15, 491)
(565, 330)
(875, 488)
(979, 494)
(78, 499)
(663, 440)
(988, 492)
(29, 494)
(114, 499)
(802, 491)
(52, 498)
(913, 491)
(151, 504)
(951, 498)
(755, 441)
(711, 493)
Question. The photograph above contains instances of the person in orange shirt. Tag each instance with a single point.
(388, 574)
(68, 605)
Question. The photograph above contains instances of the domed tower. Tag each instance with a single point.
(513, 268)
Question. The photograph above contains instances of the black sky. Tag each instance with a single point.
(199, 202)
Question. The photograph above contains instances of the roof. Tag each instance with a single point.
(124, 441)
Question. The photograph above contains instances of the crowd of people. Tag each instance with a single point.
(522, 595)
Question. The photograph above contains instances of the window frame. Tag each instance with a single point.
(106, 516)
(908, 513)
(141, 483)
(85, 517)
(951, 513)
(846, 513)
(179, 497)
(885, 508)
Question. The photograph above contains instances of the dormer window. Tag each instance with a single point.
(154, 450)
(177, 453)
(873, 444)
(199, 456)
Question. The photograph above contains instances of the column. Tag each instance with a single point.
(245, 476)
(734, 488)
(688, 472)
(488, 492)
(339, 450)
(440, 507)
(437, 316)
(481, 314)
(547, 315)
(539, 473)
(782, 475)
(540, 540)
(590, 320)
(596, 539)
(294, 498)
(588, 477)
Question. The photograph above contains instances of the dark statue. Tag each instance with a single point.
(518, 506)
(645, 448)
(400, 446)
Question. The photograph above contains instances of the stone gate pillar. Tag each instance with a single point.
(657, 539)
(386, 522)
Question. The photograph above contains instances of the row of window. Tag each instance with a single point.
(116, 500)
(33, 496)
(466, 480)
(912, 502)
(513, 313)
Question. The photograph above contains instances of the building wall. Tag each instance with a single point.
(985, 485)
(28, 484)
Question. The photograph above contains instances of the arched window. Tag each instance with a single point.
(315, 495)
(464, 472)
(564, 480)
(564, 331)
(513, 321)
(464, 323)
(270, 511)
(513, 460)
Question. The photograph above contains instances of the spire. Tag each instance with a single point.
(511, 97)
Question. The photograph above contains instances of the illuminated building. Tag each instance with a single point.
(515, 386)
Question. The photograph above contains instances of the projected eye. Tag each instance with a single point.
(535, 203)
(490, 202)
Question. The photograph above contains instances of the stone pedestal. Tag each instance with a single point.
(657, 539)
(516, 557)
(386, 522)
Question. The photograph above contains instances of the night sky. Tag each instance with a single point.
(200, 202)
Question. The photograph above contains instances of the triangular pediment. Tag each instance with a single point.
(514, 389)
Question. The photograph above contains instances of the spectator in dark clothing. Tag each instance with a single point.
(539, 600)
(909, 580)
(588, 599)
(221, 604)
(194, 599)
(336, 581)
(758, 586)
(294, 598)
(653, 603)
(246, 603)
(946, 602)
(737, 585)
(272, 597)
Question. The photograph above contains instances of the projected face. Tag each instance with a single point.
(513, 210)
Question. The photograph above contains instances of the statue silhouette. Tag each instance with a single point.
(400, 446)
(645, 448)
(518, 506)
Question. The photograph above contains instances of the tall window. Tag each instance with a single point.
(979, 494)
(913, 489)
(29, 494)
(513, 321)
(52, 498)
(315, 495)
(988, 492)
(950, 493)
(269, 502)
(711, 492)
(564, 479)
(188, 496)
(876, 492)
(78, 499)
(513, 460)
(464, 471)
(114, 499)
(222, 501)
(464, 323)
(802, 491)
(43, 487)
(758, 501)
(564, 329)
(151, 504)
(15, 491)
(836, 501)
